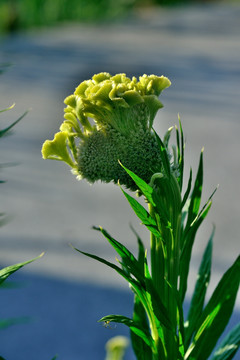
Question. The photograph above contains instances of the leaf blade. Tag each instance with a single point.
(9, 270)
(229, 346)
(216, 313)
(199, 293)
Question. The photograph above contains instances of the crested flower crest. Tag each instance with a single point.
(109, 119)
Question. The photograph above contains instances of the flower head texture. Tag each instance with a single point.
(109, 119)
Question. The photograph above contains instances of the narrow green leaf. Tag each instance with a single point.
(164, 155)
(4, 131)
(55, 357)
(216, 314)
(146, 189)
(196, 194)
(185, 197)
(133, 326)
(199, 293)
(159, 309)
(181, 154)
(9, 108)
(142, 214)
(7, 271)
(13, 321)
(229, 346)
(111, 265)
(129, 261)
(141, 349)
(1, 358)
(135, 285)
(167, 136)
(188, 241)
(150, 194)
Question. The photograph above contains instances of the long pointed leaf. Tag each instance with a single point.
(185, 197)
(142, 214)
(199, 293)
(187, 250)
(133, 326)
(159, 309)
(9, 270)
(141, 349)
(196, 194)
(4, 131)
(229, 346)
(129, 261)
(164, 155)
(216, 314)
(146, 189)
(111, 265)
(13, 321)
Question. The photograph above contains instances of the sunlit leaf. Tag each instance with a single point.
(187, 251)
(196, 194)
(164, 155)
(4, 131)
(129, 261)
(216, 314)
(9, 270)
(199, 293)
(142, 214)
(229, 346)
(133, 326)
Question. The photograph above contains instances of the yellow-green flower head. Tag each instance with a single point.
(109, 119)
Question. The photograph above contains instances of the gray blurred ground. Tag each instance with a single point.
(198, 48)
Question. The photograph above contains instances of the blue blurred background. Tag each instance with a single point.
(196, 45)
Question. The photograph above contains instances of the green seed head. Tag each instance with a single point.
(109, 119)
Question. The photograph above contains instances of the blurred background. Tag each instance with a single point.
(47, 48)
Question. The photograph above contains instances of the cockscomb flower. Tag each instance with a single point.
(109, 119)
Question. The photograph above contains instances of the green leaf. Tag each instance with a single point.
(108, 263)
(216, 314)
(196, 194)
(4, 131)
(130, 263)
(159, 309)
(164, 155)
(188, 241)
(199, 293)
(9, 108)
(180, 148)
(141, 349)
(185, 197)
(142, 214)
(133, 326)
(13, 321)
(149, 192)
(229, 346)
(7, 271)
(135, 285)
(146, 189)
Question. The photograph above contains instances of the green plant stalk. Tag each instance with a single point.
(154, 330)
(158, 256)
(165, 254)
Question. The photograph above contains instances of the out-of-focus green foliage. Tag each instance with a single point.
(23, 14)
(16, 14)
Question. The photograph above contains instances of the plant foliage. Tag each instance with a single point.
(158, 326)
